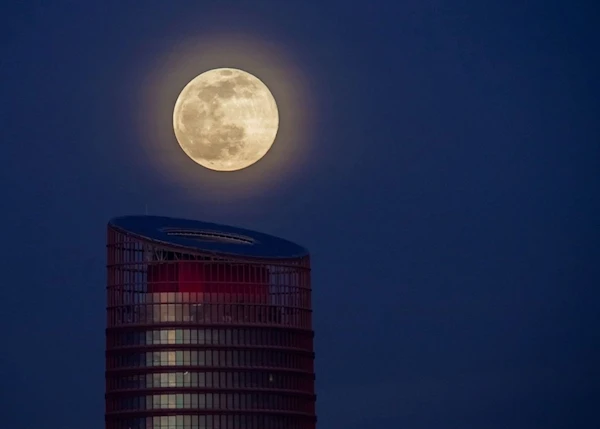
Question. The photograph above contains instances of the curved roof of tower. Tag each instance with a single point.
(209, 237)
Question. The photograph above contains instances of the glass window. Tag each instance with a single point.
(156, 313)
(172, 400)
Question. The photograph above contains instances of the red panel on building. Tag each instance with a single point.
(246, 283)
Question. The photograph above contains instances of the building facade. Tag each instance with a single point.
(208, 327)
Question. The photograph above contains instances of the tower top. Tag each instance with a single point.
(208, 237)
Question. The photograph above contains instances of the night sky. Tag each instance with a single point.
(439, 159)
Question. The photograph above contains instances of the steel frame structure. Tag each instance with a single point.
(196, 339)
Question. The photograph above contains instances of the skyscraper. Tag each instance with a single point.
(208, 326)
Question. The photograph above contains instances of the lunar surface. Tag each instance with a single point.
(225, 119)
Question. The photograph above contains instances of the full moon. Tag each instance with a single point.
(225, 119)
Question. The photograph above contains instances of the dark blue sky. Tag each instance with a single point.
(447, 190)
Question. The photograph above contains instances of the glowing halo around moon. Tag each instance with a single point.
(225, 119)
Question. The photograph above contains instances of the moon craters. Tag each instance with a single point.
(225, 119)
